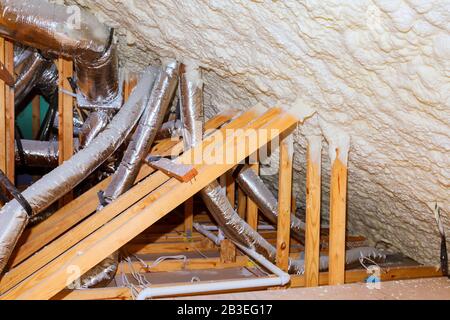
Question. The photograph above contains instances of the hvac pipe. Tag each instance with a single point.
(281, 279)
(138, 148)
(53, 29)
(64, 178)
(214, 197)
(146, 131)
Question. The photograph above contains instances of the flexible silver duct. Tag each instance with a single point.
(64, 178)
(254, 187)
(28, 71)
(93, 125)
(191, 100)
(138, 148)
(72, 33)
(42, 154)
(142, 140)
(214, 195)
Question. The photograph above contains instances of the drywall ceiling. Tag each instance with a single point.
(379, 70)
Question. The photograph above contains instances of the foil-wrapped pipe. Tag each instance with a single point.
(64, 178)
(351, 256)
(70, 32)
(101, 274)
(48, 81)
(213, 195)
(28, 72)
(142, 140)
(254, 187)
(138, 148)
(41, 154)
(191, 100)
(95, 123)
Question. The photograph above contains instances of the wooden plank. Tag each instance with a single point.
(231, 188)
(78, 233)
(313, 191)
(35, 115)
(65, 117)
(227, 251)
(387, 274)
(181, 172)
(111, 236)
(168, 247)
(242, 203)
(397, 273)
(189, 217)
(7, 114)
(284, 200)
(38, 236)
(338, 202)
(114, 293)
(177, 265)
(252, 208)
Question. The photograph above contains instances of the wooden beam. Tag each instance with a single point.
(178, 265)
(114, 234)
(242, 203)
(387, 274)
(181, 172)
(70, 238)
(338, 202)
(252, 208)
(227, 252)
(189, 217)
(231, 188)
(36, 115)
(313, 190)
(38, 236)
(284, 200)
(65, 117)
(7, 114)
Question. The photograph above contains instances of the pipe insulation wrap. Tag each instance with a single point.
(73, 33)
(42, 154)
(150, 123)
(214, 195)
(141, 142)
(254, 187)
(64, 178)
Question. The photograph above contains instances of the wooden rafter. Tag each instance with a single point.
(122, 227)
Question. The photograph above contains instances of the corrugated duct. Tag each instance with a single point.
(64, 178)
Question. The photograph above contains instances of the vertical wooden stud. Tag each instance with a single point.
(313, 190)
(338, 201)
(65, 117)
(242, 203)
(284, 200)
(227, 251)
(231, 188)
(7, 115)
(252, 208)
(188, 217)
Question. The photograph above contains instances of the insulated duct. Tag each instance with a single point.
(213, 195)
(72, 33)
(150, 123)
(139, 147)
(254, 187)
(42, 154)
(13, 218)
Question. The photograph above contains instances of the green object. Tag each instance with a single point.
(25, 119)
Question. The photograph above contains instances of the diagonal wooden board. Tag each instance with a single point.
(123, 227)
(65, 218)
(71, 237)
(67, 239)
